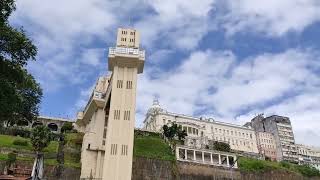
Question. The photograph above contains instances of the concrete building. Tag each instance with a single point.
(106, 149)
(267, 145)
(53, 123)
(281, 128)
(309, 155)
(201, 131)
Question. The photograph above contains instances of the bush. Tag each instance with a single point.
(15, 131)
(308, 170)
(12, 157)
(67, 126)
(221, 146)
(20, 142)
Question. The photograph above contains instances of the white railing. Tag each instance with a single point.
(97, 94)
(127, 51)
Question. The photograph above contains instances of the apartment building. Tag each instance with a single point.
(309, 155)
(281, 128)
(267, 145)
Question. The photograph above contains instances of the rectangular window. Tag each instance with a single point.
(124, 150)
(119, 83)
(117, 114)
(126, 115)
(129, 84)
(164, 121)
(103, 142)
(104, 133)
(113, 149)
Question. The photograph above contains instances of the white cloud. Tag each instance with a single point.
(207, 82)
(182, 23)
(216, 84)
(93, 57)
(273, 17)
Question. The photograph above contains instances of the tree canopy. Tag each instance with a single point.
(174, 131)
(40, 138)
(20, 94)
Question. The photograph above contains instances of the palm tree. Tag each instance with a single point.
(40, 139)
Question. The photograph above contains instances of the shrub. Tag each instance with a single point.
(20, 142)
(12, 157)
(15, 131)
(221, 146)
(308, 170)
(67, 127)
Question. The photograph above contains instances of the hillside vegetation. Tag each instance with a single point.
(25, 151)
(254, 165)
(151, 145)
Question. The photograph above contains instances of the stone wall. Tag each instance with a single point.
(151, 169)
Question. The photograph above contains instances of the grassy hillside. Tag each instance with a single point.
(7, 141)
(152, 146)
(71, 159)
(254, 165)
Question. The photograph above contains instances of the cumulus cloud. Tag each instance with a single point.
(219, 84)
(272, 17)
(69, 35)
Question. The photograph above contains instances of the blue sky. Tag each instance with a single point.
(225, 59)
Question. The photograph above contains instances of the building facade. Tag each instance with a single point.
(106, 150)
(201, 132)
(309, 155)
(267, 145)
(281, 128)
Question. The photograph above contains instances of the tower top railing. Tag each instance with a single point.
(113, 51)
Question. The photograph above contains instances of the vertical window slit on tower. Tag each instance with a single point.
(124, 150)
(119, 83)
(129, 84)
(117, 114)
(126, 115)
(113, 149)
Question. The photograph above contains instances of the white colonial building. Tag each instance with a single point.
(201, 131)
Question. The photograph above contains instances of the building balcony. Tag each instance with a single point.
(124, 51)
(284, 125)
(126, 57)
(96, 101)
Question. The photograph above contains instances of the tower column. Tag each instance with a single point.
(126, 60)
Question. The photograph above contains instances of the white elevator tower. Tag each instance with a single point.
(126, 60)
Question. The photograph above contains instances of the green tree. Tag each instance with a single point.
(20, 94)
(67, 126)
(221, 146)
(40, 138)
(174, 131)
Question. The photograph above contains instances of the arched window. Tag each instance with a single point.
(53, 126)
